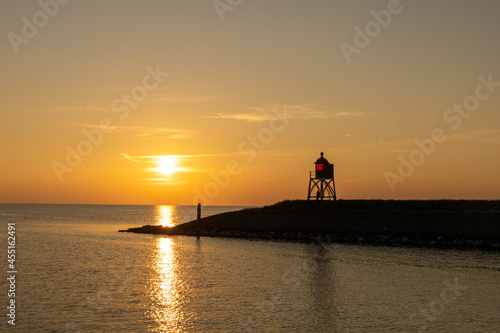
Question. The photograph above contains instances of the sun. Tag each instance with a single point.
(167, 165)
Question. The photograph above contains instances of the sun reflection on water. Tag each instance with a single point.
(166, 305)
(166, 215)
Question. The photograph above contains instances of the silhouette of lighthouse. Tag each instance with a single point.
(322, 181)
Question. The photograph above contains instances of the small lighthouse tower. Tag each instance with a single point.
(322, 180)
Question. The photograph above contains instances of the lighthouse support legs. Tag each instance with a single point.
(325, 188)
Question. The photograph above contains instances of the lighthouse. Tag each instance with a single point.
(322, 181)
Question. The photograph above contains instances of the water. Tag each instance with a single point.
(76, 273)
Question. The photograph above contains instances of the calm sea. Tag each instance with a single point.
(76, 273)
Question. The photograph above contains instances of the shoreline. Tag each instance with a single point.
(447, 224)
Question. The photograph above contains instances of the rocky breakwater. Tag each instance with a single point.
(457, 224)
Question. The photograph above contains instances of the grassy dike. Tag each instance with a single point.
(432, 223)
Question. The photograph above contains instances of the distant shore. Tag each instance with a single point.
(455, 224)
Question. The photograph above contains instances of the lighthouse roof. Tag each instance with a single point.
(321, 160)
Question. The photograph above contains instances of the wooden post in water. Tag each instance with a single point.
(198, 217)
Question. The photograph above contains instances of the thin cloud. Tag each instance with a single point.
(246, 117)
(150, 132)
(482, 136)
(142, 158)
(152, 158)
(192, 98)
(130, 158)
(151, 163)
(166, 181)
(82, 108)
(345, 114)
(157, 132)
(261, 114)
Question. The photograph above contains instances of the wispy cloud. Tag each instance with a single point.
(481, 136)
(259, 114)
(152, 132)
(153, 164)
(130, 158)
(83, 108)
(151, 158)
(192, 98)
(162, 181)
(145, 158)
(157, 132)
(247, 117)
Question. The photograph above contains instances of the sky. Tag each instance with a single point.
(230, 102)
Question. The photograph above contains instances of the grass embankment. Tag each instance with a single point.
(352, 220)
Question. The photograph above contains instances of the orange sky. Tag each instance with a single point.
(177, 102)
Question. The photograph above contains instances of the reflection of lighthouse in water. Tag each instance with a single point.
(322, 181)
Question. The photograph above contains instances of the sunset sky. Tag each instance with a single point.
(230, 102)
